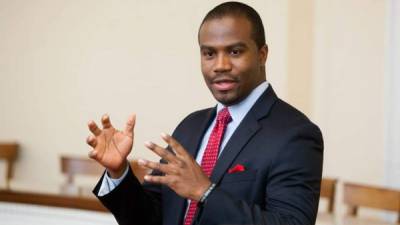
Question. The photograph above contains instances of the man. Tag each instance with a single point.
(252, 159)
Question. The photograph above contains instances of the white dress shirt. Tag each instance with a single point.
(237, 112)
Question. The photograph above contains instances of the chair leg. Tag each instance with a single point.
(352, 210)
(9, 174)
(330, 206)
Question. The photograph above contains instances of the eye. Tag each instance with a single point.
(236, 52)
(208, 53)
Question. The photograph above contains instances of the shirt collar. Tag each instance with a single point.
(239, 110)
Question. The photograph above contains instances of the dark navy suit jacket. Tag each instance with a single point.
(282, 152)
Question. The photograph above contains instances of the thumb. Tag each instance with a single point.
(93, 154)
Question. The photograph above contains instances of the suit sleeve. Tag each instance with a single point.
(291, 191)
(131, 203)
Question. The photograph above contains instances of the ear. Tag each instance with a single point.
(263, 54)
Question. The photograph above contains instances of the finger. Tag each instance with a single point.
(93, 154)
(178, 148)
(94, 128)
(164, 168)
(130, 124)
(105, 120)
(162, 152)
(91, 141)
(157, 179)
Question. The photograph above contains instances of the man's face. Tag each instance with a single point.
(231, 63)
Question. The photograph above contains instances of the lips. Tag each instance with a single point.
(224, 85)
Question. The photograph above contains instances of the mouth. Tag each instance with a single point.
(224, 84)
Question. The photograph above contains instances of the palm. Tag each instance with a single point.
(111, 147)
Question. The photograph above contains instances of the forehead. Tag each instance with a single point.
(225, 31)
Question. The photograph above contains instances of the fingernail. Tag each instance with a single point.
(92, 153)
(141, 162)
(164, 135)
(147, 177)
(149, 144)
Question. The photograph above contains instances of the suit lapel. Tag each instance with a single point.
(192, 145)
(199, 129)
(247, 129)
(243, 133)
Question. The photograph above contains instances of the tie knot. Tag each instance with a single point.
(224, 116)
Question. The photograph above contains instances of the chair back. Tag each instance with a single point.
(328, 191)
(357, 195)
(72, 166)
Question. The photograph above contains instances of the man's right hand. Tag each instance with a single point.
(110, 146)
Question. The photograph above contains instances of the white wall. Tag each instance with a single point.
(349, 87)
(63, 63)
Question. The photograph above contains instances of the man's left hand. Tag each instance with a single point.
(182, 173)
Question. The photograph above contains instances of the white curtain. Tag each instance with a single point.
(392, 95)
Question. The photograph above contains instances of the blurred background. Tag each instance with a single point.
(63, 63)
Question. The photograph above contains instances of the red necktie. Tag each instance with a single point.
(210, 154)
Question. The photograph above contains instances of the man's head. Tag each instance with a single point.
(233, 51)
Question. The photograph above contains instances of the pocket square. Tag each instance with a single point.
(237, 168)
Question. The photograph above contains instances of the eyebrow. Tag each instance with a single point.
(238, 44)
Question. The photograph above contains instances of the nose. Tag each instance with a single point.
(222, 64)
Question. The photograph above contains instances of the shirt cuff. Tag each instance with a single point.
(108, 184)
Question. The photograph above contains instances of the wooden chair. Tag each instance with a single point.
(356, 195)
(9, 153)
(72, 166)
(328, 191)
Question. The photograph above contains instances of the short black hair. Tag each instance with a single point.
(237, 9)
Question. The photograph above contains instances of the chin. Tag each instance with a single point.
(226, 100)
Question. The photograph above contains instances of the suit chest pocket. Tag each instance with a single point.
(240, 184)
(248, 175)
